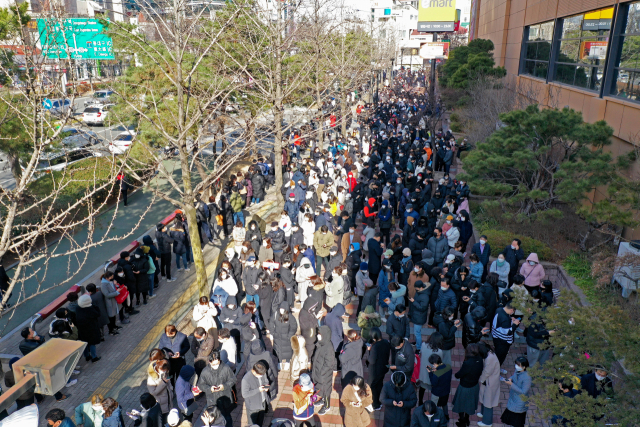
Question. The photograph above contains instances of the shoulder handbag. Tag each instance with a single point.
(220, 220)
(123, 294)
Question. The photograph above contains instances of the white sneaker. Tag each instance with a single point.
(503, 371)
(481, 424)
(72, 382)
(187, 269)
(179, 269)
(515, 335)
(75, 372)
(479, 415)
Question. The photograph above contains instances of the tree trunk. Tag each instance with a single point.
(344, 110)
(320, 115)
(278, 109)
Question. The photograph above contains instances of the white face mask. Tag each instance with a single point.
(448, 222)
(215, 366)
(513, 247)
(244, 249)
(482, 242)
(400, 316)
(417, 270)
(121, 274)
(532, 263)
(473, 292)
(319, 337)
(519, 368)
(274, 228)
(97, 408)
(352, 231)
(463, 219)
(599, 378)
(443, 288)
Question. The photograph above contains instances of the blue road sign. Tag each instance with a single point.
(47, 104)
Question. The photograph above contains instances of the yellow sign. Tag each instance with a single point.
(600, 14)
(437, 10)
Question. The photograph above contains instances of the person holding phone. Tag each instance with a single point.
(217, 381)
(255, 391)
(357, 397)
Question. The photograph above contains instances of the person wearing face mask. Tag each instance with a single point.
(356, 397)
(159, 385)
(230, 316)
(175, 344)
(519, 387)
(277, 237)
(297, 235)
(90, 414)
(439, 246)
(255, 391)
(418, 310)
(533, 272)
(502, 268)
(202, 345)
(217, 381)
(513, 254)
(253, 236)
(597, 383)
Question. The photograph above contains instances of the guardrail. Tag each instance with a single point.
(54, 305)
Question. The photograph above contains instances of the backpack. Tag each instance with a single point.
(264, 168)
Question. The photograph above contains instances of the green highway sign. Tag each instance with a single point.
(82, 38)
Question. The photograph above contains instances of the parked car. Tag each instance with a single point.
(101, 97)
(73, 148)
(122, 142)
(96, 115)
(59, 107)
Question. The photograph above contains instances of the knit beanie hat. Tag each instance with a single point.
(84, 301)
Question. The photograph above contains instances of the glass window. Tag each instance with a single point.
(626, 72)
(537, 49)
(582, 49)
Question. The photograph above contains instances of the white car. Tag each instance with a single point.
(96, 114)
(122, 143)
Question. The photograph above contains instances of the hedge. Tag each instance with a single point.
(500, 239)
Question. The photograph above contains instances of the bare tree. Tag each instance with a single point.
(49, 204)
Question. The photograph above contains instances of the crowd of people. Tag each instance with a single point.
(332, 247)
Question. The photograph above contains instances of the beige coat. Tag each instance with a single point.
(490, 382)
(161, 389)
(356, 416)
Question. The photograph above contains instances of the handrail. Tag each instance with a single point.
(54, 305)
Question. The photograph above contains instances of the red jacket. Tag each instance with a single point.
(369, 208)
(351, 181)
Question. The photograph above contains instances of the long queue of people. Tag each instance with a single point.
(333, 248)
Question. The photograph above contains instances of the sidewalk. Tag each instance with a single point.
(121, 373)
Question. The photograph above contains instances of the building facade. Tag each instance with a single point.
(582, 54)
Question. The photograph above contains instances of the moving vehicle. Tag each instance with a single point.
(96, 115)
(122, 143)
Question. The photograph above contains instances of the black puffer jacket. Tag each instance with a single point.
(179, 242)
(141, 265)
(257, 183)
(164, 242)
(472, 325)
(282, 333)
(250, 278)
(277, 239)
(129, 277)
(88, 326)
(324, 358)
(259, 353)
(251, 233)
(419, 308)
(447, 329)
(396, 416)
(309, 324)
(351, 358)
(490, 301)
(233, 314)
